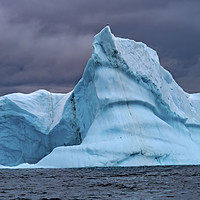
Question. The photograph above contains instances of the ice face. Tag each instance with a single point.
(126, 110)
(31, 126)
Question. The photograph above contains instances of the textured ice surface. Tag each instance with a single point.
(31, 125)
(126, 110)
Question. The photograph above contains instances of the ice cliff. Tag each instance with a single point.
(126, 110)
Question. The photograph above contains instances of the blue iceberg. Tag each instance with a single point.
(126, 110)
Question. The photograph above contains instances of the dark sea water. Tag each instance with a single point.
(171, 182)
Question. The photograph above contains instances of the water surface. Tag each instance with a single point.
(171, 182)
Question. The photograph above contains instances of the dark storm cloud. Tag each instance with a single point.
(30, 55)
(46, 44)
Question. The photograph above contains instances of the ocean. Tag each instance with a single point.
(156, 182)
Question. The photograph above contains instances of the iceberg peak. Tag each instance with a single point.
(104, 33)
(104, 41)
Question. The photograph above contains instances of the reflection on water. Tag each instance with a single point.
(171, 182)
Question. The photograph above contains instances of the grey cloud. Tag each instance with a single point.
(27, 57)
(47, 43)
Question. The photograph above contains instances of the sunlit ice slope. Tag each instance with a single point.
(125, 111)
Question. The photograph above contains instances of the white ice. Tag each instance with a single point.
(126, 110)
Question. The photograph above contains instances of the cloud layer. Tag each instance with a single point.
(46, 44)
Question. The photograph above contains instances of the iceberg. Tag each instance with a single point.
(126, 110)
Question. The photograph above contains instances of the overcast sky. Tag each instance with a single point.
(47, 43)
